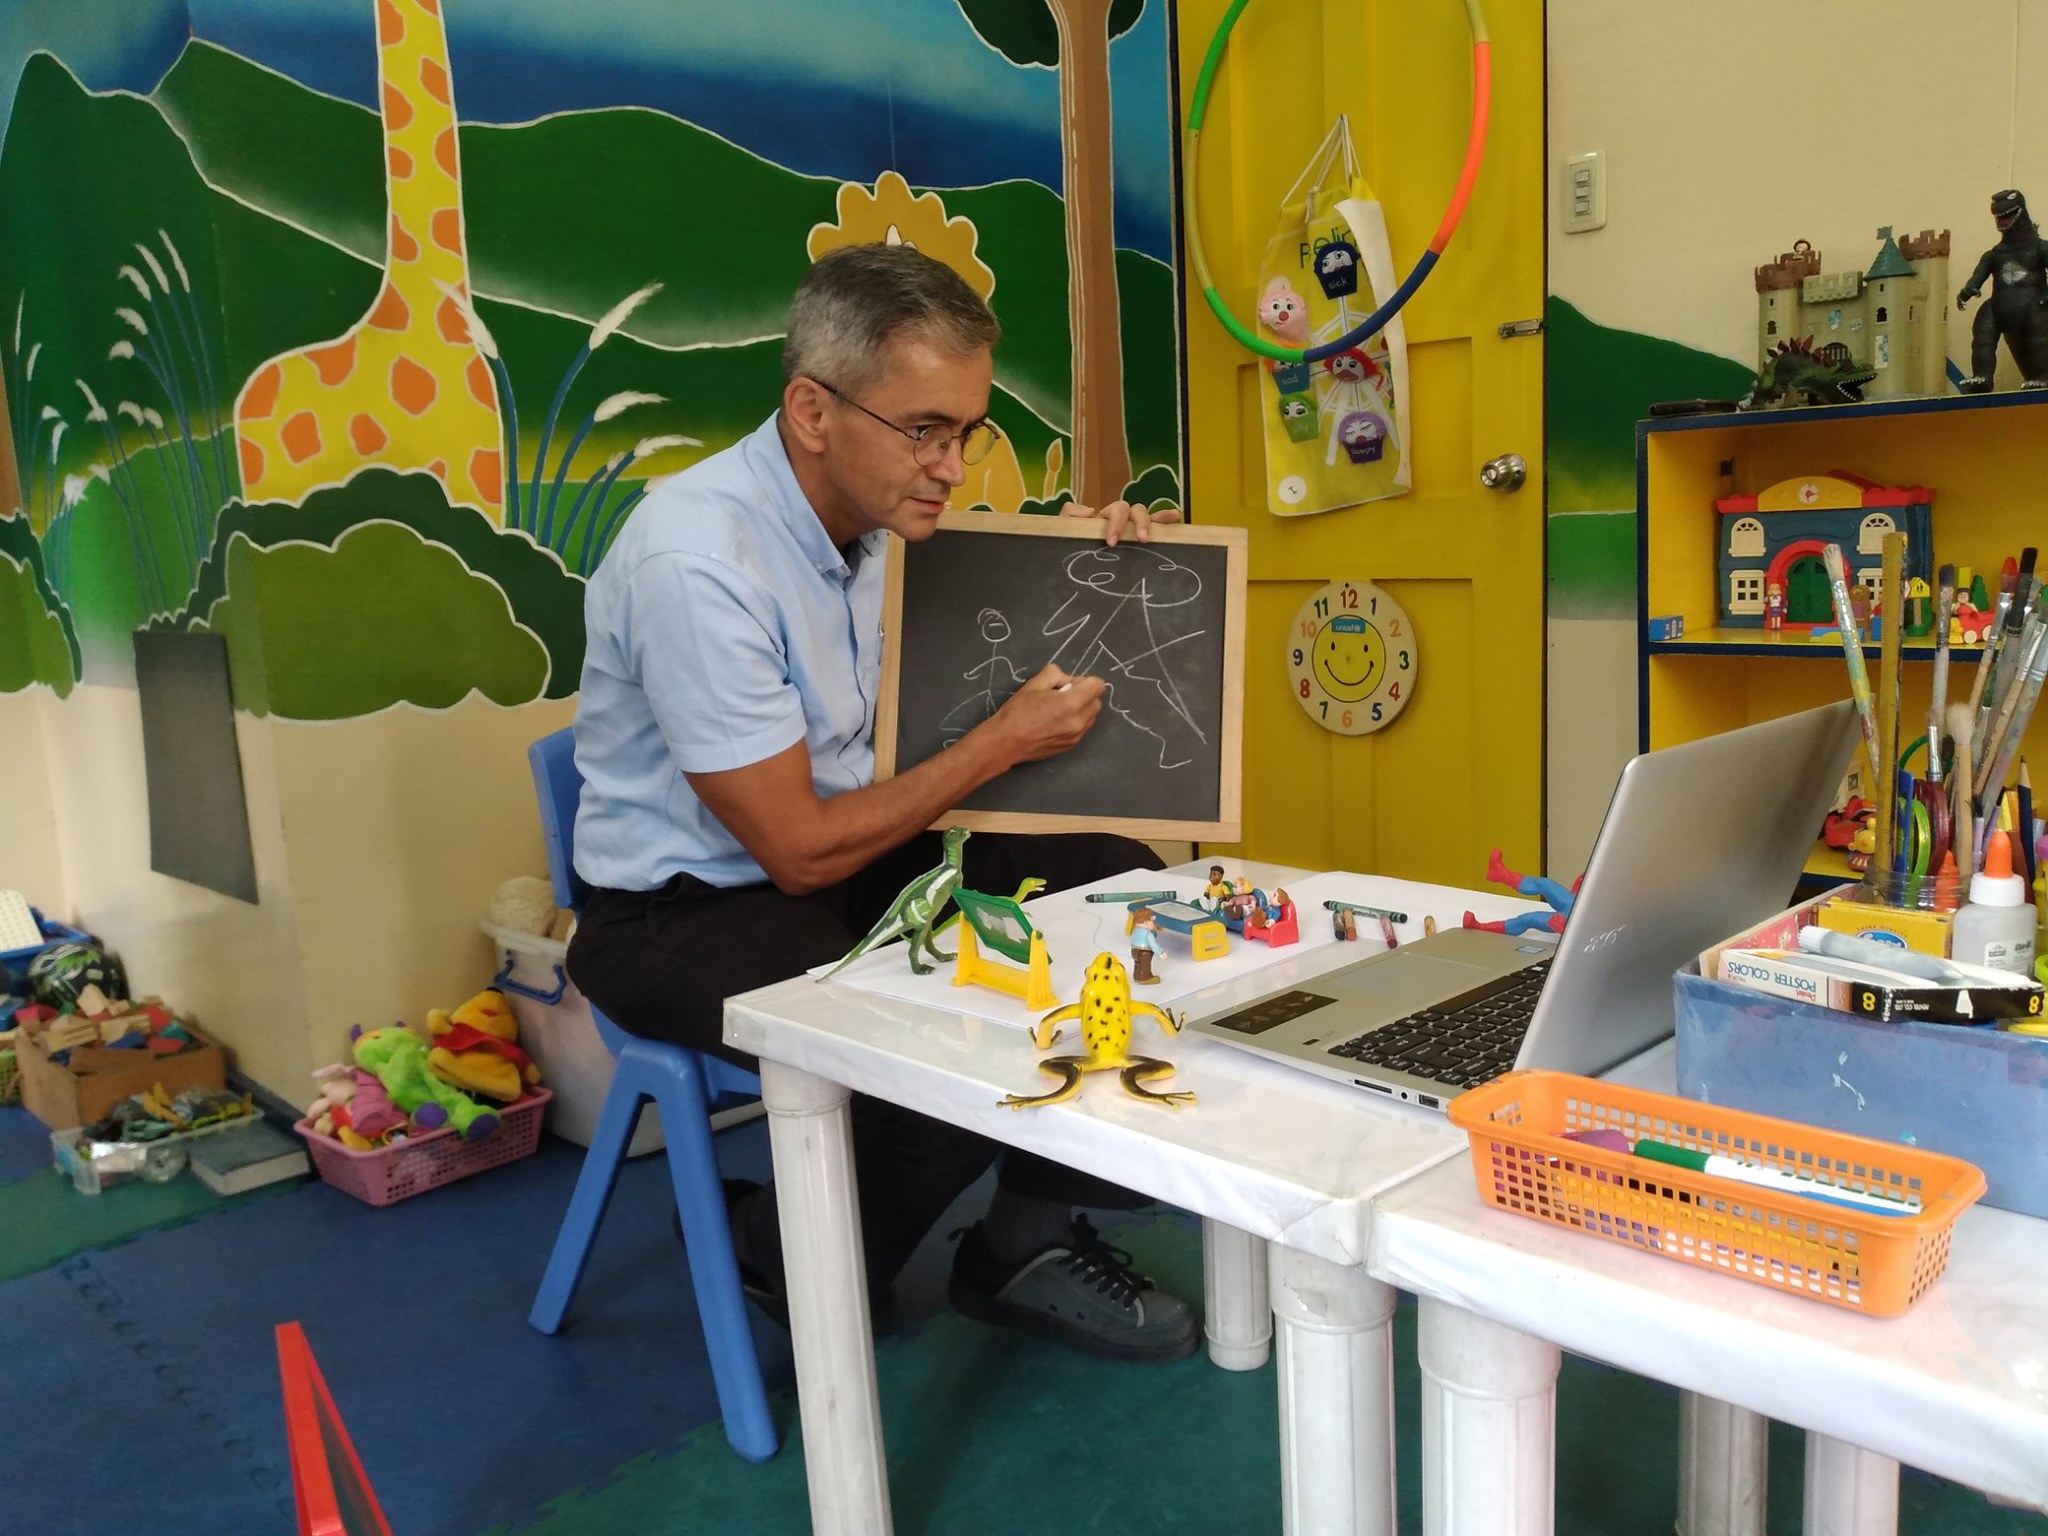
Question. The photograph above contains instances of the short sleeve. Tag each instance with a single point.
(703, 641)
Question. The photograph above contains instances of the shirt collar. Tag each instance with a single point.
(794, 508)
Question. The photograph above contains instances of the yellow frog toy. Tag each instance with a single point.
(1105, 1013)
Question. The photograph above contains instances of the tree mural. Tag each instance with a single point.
(1073, 36)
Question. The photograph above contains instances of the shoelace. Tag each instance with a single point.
(1108, 1269)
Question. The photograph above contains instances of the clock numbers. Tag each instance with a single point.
(1345, 668)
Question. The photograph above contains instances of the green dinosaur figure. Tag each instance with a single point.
(1797, 372)
(915, 909)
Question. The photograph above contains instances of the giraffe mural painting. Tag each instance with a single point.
(458, 350)
(407, 386)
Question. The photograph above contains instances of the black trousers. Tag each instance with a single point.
(662, 963)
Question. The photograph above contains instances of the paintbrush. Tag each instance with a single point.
(1859, 675)
(1944, 615)
(1959, 730)
(1891, 595)
(1993, 636)
(1995, 719)
(2026, 793)
(2026, 691)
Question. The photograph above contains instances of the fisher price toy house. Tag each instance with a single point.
(1777, 537)
(1892, 318)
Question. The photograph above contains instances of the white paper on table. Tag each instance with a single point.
(1076, 931)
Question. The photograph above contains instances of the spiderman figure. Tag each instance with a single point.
(1556, 896)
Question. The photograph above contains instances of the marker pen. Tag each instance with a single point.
(1771, 1178)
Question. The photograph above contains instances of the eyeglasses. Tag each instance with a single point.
(928, 445)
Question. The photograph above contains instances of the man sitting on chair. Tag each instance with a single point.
(731, 826)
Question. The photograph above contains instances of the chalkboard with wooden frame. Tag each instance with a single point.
(975, 610)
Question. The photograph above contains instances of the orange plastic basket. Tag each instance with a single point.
(1871, 1263)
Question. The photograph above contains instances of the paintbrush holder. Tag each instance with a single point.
(1925, 893)
(1895, 909)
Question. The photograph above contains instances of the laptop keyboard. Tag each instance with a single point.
(1466, 1041)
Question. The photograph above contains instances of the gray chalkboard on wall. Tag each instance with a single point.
(991, 598)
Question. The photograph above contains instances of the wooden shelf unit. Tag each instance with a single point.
(1984, 456)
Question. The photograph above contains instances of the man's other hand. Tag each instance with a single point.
(1123, 517)
(1047, 716)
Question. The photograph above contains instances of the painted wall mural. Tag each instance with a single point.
(354, 330)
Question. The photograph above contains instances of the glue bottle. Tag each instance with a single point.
(1996, 928)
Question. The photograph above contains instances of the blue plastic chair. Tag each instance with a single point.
(683, 1083)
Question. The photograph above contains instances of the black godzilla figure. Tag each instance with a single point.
(2018, 308)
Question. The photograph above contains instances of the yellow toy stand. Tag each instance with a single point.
(1032, 984)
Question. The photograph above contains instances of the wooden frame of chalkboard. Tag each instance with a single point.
(1166, 759)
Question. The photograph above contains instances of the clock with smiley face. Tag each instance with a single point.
(1351, 658)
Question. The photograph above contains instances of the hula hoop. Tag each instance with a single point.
(1475, 150)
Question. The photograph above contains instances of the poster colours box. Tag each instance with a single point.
(1979, 1092)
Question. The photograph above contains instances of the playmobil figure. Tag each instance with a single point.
(2017, 269)
(1144, 944)
(1105, 1012)
(1272, 920)
(1860, 607)
(915, 909)
(1218, 887)
(1774, 606)
(1557, 896)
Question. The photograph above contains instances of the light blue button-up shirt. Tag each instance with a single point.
(723, 627)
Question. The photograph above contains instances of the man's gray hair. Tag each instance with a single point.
(857, 299)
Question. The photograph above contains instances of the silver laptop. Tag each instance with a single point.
(1698, 840)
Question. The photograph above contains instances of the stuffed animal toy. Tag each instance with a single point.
(372, 1117)
(398, 1058)
(525, 904)
(474, 1048)
(329, 1113)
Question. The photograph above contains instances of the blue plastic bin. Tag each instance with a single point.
(1971, 1091)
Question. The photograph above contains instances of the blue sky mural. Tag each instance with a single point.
(842, 90)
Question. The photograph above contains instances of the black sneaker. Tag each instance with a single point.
(1083, 1293)
(759, 1290)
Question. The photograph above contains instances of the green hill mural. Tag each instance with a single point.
(571, 213)
(184, 239)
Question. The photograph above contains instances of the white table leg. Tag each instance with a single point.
(1238, 1307)
(1849, 1491)
(1723, 1468)
(1489, 1426)
(811, 1133)
(1336, 1396)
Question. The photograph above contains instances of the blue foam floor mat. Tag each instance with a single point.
(417, 1314)
(24, 1144)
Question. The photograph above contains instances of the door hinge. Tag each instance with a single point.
(1514, 328)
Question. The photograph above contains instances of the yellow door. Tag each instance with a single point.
(1461, 769)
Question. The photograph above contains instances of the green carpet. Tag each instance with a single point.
(44, 1221)
(999, 1435)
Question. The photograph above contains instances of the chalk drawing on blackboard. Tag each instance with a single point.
(997, 674)
(1105, 627)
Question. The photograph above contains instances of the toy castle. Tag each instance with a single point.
(1893, 318)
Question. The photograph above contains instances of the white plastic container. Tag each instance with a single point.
(563, 1040)
(1997, 927)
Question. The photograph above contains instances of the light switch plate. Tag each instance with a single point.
(1585, 192)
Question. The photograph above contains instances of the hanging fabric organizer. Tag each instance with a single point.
(1336, 430)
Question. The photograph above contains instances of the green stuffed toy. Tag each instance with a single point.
(398, 1057)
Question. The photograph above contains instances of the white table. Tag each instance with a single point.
(1957, 1386)
(1272, 1158)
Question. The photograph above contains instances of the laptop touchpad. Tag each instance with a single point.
(1404, 982)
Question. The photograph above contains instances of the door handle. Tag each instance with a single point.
(1505, 473)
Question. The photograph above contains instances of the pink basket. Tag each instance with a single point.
(386, 1175)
